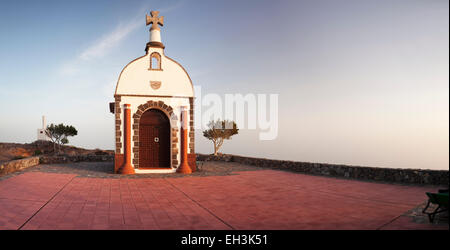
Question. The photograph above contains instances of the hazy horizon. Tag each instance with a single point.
(358, 82)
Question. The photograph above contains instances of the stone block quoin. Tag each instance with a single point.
(118, 123)
(191, 126)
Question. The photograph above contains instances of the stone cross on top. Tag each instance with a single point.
(154, 19)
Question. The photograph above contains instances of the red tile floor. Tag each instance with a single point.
(264, 199)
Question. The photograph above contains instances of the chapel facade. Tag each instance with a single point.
(154, 112)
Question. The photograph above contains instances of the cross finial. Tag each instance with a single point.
(154, 19)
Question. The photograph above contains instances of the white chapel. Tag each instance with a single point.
(154, 112)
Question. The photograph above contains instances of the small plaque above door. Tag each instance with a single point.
(155, 85)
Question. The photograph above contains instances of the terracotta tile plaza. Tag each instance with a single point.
(219, 196)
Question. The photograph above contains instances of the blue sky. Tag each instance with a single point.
(359, 82)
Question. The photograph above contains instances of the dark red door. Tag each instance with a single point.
(154, 140)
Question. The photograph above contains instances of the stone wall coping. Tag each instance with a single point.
(382, 174)
(76, 158)
(16, 165)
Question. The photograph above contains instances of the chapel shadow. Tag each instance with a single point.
(88, 167)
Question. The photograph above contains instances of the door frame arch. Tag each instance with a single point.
(174, 131)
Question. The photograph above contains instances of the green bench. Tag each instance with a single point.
(440, 199)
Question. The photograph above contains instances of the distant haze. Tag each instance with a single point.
(359, 82)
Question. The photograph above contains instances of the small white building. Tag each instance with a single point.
(157, 92)
(41, 135)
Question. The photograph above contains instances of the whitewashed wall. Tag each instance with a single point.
(134, 83)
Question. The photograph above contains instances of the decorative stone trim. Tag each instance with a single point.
(118, 122)
(191, 145)
(168, 110)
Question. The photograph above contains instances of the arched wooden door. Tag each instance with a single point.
(154, 140)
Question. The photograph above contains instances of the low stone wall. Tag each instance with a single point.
(408, 176)
(76, 158)
(16, 165)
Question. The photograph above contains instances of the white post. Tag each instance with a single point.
(44, 124)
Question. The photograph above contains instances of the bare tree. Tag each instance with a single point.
(219, 131)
